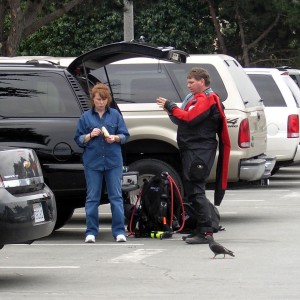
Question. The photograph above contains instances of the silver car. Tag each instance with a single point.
(152, 147)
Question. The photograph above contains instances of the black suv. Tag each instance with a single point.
(40, 104)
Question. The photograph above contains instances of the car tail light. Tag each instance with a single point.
(293, 126)
(244, 134)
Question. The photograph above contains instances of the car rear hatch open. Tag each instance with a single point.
(110, 53)
(82, 66)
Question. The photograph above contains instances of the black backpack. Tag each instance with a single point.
(155, 210)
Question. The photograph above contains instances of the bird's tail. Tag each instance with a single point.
(230, 253)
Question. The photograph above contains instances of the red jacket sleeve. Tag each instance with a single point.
(196, 110)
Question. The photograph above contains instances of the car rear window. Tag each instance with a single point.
(137, 83)
(34, 94)
(245, 87)
(294, 89)
(268, 90)
(19, 164)
(179, 73)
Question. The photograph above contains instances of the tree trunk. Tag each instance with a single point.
(245, 48)
(24, 23)
(3, 9)
(217, 26)
(16, 29)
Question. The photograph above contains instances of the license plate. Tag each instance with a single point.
(130, 178)
(38, 212)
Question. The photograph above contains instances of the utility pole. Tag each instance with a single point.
(128, 20)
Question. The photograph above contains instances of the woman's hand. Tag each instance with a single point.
(95, 132)
(113, 139)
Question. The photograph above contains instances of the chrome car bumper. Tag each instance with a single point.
(269, 165)
(252, 169)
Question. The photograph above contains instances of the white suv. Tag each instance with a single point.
(281, 98)
(294, 74)
(152, 147)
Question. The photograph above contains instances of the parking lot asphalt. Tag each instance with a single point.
(262, 228)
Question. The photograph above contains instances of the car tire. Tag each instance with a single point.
(148, 168)
(64, 214)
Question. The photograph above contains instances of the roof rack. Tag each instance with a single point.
(38, 60)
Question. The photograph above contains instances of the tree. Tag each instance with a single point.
(217, 25)
(164, 23)
(246, 47)
(256, 33)
(264, 32)
(20, 18)
(183, 24)
(84, 28)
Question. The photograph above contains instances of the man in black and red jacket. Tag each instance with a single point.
(200, 119)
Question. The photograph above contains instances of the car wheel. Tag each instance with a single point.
(64, 214)
(148, 168)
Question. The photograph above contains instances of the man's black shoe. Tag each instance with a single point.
(188, 236)
(197, 239)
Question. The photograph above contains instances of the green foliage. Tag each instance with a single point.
(83, 29)
(183, 24)
(186, 25)
(278, 47)
(94, 24)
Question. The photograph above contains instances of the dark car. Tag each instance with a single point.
(27, 205)
(40, 104)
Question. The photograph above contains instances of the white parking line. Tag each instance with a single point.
(231, 192)
(41, 267)
(36, 244)
(100, 214)
(80, 228)
(71, 228)
(245, 200)
(291, 195)
(136, 256)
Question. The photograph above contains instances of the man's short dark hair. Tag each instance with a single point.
(198, 74)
